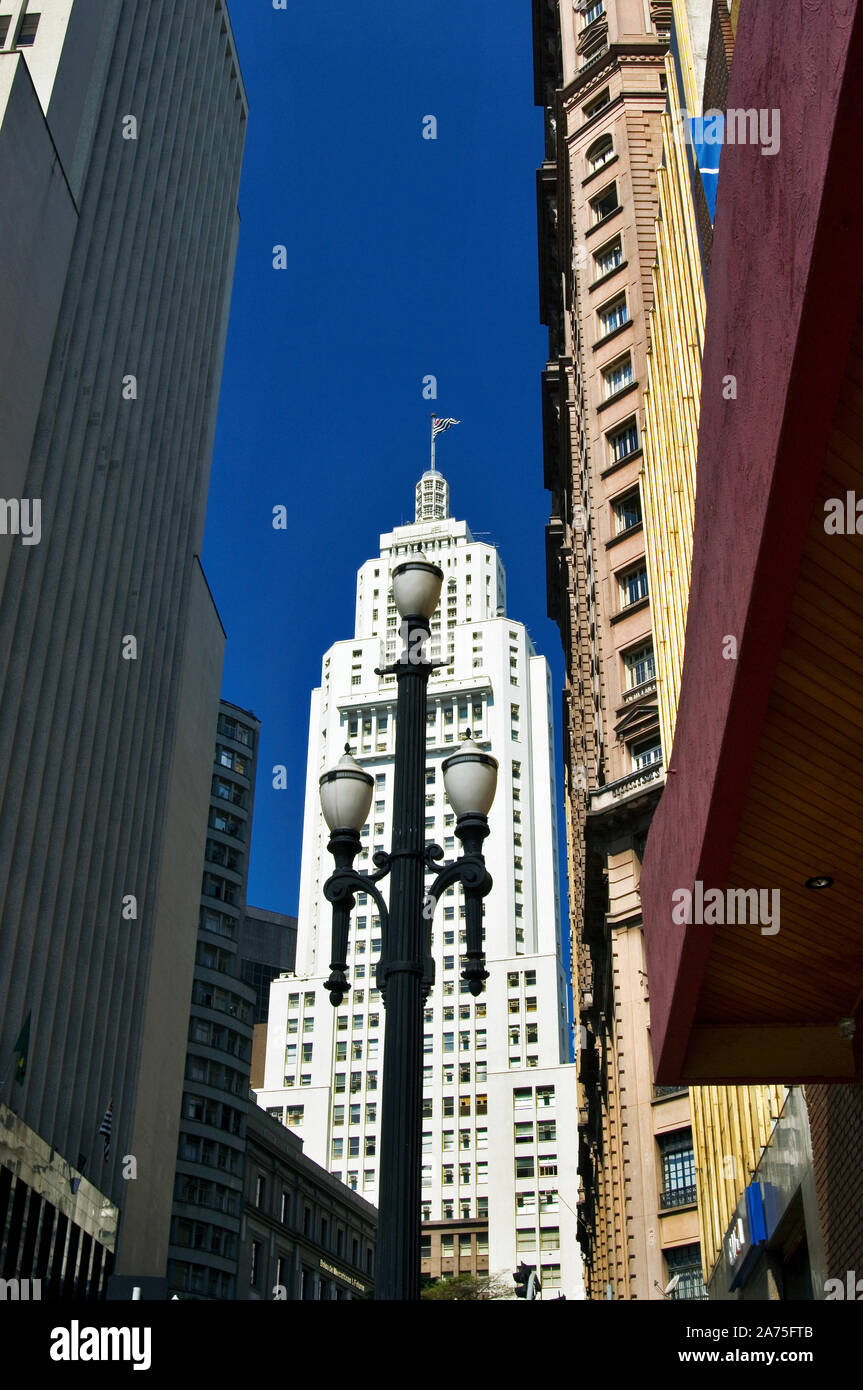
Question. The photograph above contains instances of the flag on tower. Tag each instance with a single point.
(439, 426)
(105, 1127)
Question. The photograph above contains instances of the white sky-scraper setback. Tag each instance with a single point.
(500, 1134)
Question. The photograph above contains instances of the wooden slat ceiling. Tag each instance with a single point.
(804, 808)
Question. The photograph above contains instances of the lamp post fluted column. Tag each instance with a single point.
(400, 979)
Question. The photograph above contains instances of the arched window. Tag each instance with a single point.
(599, 153)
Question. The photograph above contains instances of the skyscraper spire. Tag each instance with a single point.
(432, 497)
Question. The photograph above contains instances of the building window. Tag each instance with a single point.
(646, 753)
(591, 13)
(678, 1169)
(524, 1167)
(623, 441)
(639, 665)
(685, 1262)
(613, 316)
(607, 258)
(603, 205)
(633, 585)
(627, 513)
(617, 377)
(549, 1237)
(255, 1264)
(600, 152)
(27, 32)
(594, 107)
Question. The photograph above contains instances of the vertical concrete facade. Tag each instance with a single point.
(122, 252)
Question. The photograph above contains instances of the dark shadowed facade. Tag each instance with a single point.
(122, 125)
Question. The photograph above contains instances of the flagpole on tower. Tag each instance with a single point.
(432, 443)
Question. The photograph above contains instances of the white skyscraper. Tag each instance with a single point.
(500, 1137)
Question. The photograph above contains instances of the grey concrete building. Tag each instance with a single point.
(306, 1236)
(208, 1188)
(122, 126)
(269, 949)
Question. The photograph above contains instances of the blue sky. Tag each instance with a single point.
(405, 257)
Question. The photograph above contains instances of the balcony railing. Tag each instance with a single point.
(638, 692)
(624, 786)
(691, 1286)
(677, 1197)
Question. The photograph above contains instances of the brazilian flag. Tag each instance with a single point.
(22, 1048)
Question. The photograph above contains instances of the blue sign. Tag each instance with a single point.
(746, 1236)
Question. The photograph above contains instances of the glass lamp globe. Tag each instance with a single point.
(470, 779)
(416, 586)
(346, 794)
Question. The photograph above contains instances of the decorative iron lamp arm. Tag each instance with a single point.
(339, 889)
(470, 871)
(346, 799)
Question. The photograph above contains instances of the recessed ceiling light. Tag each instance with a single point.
(820, 881)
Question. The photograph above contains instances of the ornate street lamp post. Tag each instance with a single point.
(405, 971)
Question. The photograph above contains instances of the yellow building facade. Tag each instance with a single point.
(731, 1125)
